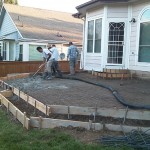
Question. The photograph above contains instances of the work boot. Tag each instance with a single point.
(44, 75)
(49, 76)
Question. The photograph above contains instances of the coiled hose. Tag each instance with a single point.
(135, 139)
(115, 93)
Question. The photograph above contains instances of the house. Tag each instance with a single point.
(116, 34)
(22, 29)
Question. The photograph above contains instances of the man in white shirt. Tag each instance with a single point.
(55, 66)
(47, 60)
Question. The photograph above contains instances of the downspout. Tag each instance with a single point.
(104, 39)
(128, 50)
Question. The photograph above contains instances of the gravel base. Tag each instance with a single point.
(77, 93)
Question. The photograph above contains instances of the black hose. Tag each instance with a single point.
(135, 139)
(113, 91)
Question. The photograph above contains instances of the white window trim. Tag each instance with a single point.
(146, 64)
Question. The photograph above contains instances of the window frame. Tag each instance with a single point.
(94, 38)
(138, 45)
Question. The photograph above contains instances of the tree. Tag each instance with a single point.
(11, 2)
(1, 4)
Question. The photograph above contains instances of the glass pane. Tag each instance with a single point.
(90, 29)
(145, 33)
(90, 46)
(97, 46)
(34, 55)
(98, 33)
(20, 57)
(90, 36)
(21, 49)
(98, 28)
(144, 54)
(146, 15)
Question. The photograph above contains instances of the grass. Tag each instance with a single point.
(14, 137)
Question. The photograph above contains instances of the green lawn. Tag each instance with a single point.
(14, 137)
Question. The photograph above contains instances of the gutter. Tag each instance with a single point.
(40, 40)
(103, 2)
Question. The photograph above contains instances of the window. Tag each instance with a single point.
(144, 41)
(94, 36)
(34, 55)
(20, 52)
(4, 50)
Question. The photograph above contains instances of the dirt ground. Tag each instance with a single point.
(76, 93)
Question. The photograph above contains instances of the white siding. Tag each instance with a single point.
(117, 11)
(7, 26)
(95, 12)
(92, 61)
(134, 39)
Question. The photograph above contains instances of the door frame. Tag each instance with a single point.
(116, 66)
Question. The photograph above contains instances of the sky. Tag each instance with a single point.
(58, 5)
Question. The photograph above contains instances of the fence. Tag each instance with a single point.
(28, 67)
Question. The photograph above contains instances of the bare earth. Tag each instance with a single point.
(77, 93)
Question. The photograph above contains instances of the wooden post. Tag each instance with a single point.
(24, 120)
(16, 114)
(90, 124)
(13, 91)
(35, 107)
(8, 108)
(19, 94)
(125, 115)
(48, 110)
(68, 112)
(3, 84)
(40, 122)
(27, 100)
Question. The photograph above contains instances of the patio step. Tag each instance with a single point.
(113, 73)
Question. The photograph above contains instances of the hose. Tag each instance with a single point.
(114, 92)
(135, 139)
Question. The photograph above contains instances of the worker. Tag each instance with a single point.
(72, 55)
(55, 65)
(47, 61)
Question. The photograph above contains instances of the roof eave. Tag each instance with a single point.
(40, 40)
(94, 3)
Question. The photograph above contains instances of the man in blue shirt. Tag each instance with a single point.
(72, 55)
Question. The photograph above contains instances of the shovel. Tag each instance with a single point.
(40, 67)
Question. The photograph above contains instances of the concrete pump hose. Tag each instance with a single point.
(118, 97)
